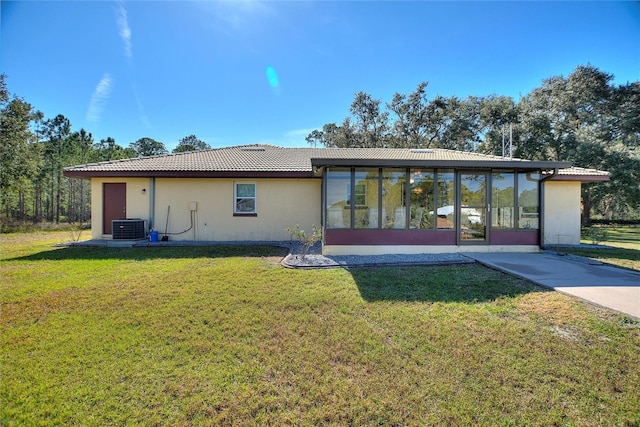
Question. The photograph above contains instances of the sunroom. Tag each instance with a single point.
(433, 207)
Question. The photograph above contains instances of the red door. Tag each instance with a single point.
(114, 204)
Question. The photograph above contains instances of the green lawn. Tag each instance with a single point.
(226, 336)
(626, 252)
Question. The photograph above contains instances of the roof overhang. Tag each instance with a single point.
(186, 174)
(580, 174)
(581, 178)
(457, 164)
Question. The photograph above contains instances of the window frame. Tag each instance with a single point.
(495, 201)
(360, 197)
(524, 218)
(236, 198)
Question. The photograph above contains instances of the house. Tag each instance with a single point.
(368, 200)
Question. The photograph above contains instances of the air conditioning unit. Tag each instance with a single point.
(128, 229)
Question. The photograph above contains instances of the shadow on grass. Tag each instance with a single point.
(628, 235)
(629, 238)
(147, 253)
(469, 283)
(616, 253)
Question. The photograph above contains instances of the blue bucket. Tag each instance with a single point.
(153, 236)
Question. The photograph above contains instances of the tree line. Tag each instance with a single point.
(582, 118)
(33, 153)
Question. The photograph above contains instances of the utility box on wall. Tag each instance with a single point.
(128, 229)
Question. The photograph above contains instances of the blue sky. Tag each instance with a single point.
(242, 72)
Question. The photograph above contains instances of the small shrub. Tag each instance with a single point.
(306, 240)
(598, 235)
(76, 233)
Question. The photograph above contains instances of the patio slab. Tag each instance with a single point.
(601, 284)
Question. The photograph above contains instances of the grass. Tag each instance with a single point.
(626, 248)
(226, 336)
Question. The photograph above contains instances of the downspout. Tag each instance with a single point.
(152, 202)
(320, 171)
(542, 204)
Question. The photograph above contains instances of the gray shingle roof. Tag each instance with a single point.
(263, 160)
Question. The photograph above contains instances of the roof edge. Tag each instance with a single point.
(581, 178)
(459, 164)
(188, 174)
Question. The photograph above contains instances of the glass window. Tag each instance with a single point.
(473, 206)
(360, 194)
(365, 198)
(338, 213)
(245, 198)
(421, 198)
(528, 209)
(393, 198)
(502, 200)
(445, 199)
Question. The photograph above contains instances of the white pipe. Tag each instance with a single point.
(510, 141)
(152, 202)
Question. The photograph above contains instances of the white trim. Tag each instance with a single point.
(255, 197)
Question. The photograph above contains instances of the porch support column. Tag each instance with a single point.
(542, 206)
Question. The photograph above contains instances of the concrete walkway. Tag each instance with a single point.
(593, 281)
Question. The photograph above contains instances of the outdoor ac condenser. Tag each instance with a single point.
(128, 229)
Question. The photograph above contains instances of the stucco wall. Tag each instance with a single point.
(562, 213)
(137, 201)
(281, 203)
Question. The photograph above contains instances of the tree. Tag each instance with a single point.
(461, 126)
(315, 137)
(18, 155)
(333, 136)
(148, 147)
(107, 149)
(56, 150)
(38, 189)
(190, 143)
(625, 122)
(554, 114)
(410, 127)
(370, 123)
(367, 127)
(613, 146)
(4, 90)
(419, 123)
(583, 118)
(81, 146)
(498, 119)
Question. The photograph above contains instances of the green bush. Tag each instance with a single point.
(598, 235)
